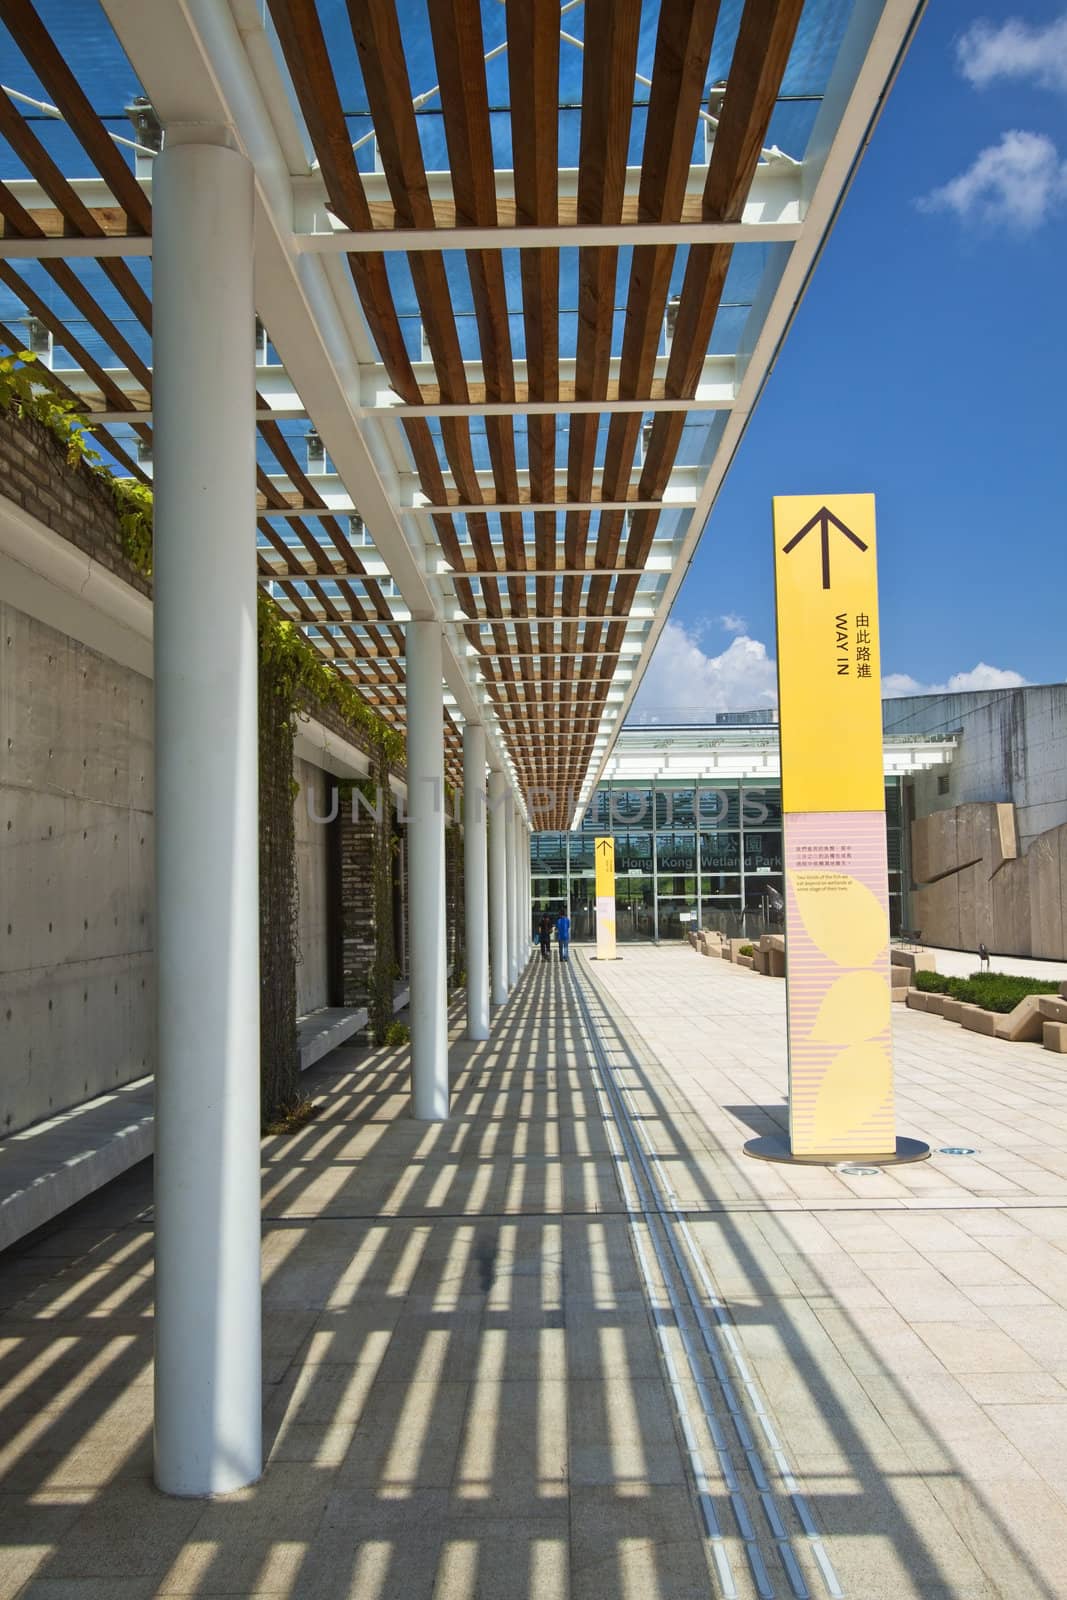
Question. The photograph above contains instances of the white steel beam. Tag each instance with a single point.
(563, 236)
(777, 193)
(393, 411)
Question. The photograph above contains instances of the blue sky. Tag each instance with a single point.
(926, 365)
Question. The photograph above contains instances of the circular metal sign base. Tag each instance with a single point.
(775, 1147)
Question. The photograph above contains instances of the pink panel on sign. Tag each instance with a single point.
(838, 984)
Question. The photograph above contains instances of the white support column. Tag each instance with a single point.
(427, 937)
(513, 891)
(527, 893)
(520, 893)
(475, 881)
(524, 920)
(498, 886)
(208, 1402)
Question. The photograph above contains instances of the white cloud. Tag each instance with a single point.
(683, 684)
(730, 622)
(1016, 49)
(980, 677)
(1019, 182)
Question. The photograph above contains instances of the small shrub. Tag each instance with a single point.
(292, 1116)
(397, 1033)
(747, 950)
(993, 991)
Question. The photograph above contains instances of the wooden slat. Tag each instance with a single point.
(376, 31)
(43, 55)
(109, 222)
(533, 76)
(683, 48)
(72, 286)
(51, 319)
(760, 56)
(761, 53)
(308, 60)
(75, 215)
(608, 64)
(459, 48)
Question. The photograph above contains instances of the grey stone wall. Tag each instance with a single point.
(1012, 747)
(77, 1012)
(977, 886)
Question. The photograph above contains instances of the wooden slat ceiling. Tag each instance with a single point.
(549, 648)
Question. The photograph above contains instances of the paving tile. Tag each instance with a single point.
(1005, 1388)
(622, 1433)
(385, 1546)
(637, 1545)
(407, 1437)
(128, 1530)
(963, 1348)
(516, 1559)
(514, 1457)
(1038, 1433)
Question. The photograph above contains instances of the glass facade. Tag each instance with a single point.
(686, 856)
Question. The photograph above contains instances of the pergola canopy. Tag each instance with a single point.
(521, 273)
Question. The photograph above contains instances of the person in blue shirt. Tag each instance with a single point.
(563, 936)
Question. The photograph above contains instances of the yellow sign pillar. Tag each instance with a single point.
(604, 855)
(833, 815)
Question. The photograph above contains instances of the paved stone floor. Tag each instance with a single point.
(573, 1343)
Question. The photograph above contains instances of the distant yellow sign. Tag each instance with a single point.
(829, 675)
(604, 855)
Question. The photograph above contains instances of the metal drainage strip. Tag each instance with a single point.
(648, 1194)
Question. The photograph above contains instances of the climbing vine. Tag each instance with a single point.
(23, 394)
(383, 968)
(457, 957)
(304, 674)
(63, 417)
(278, 898)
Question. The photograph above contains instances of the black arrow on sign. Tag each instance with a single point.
(822, 520)
(606, 845)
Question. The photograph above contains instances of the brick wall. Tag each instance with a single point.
(358, 932)
(72, 501)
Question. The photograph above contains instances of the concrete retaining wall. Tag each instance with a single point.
(1012, 748)
(76, 872)
(977, 886)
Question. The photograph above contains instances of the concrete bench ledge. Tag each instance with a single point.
(319, 1032)
(54, 1164)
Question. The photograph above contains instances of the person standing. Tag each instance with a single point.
(563, 936)
(544, 937)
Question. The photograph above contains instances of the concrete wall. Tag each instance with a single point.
(312, 967)
(76, 872)
(976, 886)
(1012, 747)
